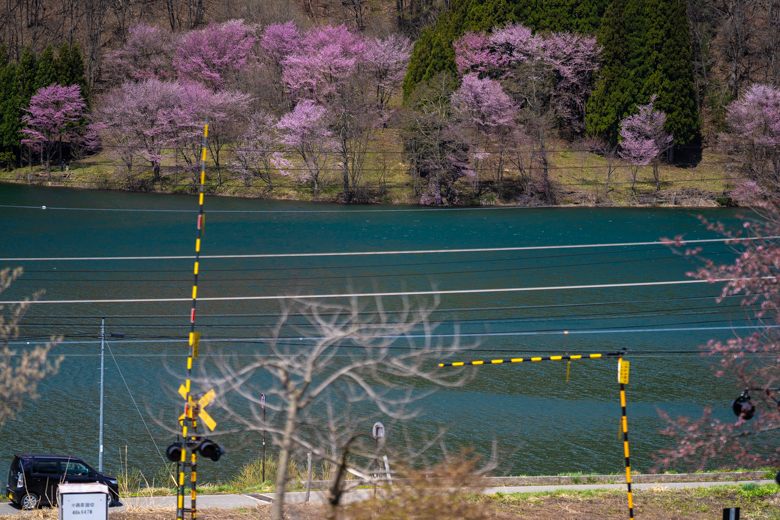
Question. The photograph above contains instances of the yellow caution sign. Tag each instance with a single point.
(623, 372)
(194, 342)
(200, 407)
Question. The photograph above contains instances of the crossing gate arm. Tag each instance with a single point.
(535, 359)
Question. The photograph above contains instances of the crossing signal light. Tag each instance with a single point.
(174, 452)
(206, 447)
(743, 408)
(211, 450)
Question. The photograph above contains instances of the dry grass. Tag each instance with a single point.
(429, 503)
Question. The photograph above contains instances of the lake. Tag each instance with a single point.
(543, 424)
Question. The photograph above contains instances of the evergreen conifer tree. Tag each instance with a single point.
(76, 74)
(46, 73)
(63, 66)
(10, 122)
(615, 91)
(5, 154)
(669, 68)
(25, 88)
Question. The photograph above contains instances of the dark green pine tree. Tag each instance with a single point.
(6, 155)
(10, 124)
(25, 89)
(63, 65)
(670, 70)
(25, 76)
(615, 90)
(583, 16)
(46, 73)
(76, 74)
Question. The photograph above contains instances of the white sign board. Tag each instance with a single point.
(83, 501)
(379, 430)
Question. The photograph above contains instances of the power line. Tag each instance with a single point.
(423, 336)
(377, 294)
(699, 311)
(285, 281)
(386, 253)
(438, 310)
(276, 269)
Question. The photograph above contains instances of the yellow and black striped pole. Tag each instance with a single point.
(623, 380)
(531, 359)
(189, 416)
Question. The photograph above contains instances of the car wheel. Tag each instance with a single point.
(30, 501)
(113, 499)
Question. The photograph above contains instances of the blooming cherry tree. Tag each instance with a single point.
(147, 53)
(214, 55)
(747, 361)
(140, 117)
(305, 131)
(483, 109)
(54, 115)
(327, 58)
(513, 53)
(754, 132)
(386, 60)
(643, 140)
(257, 152)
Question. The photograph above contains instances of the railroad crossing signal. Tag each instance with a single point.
(199, 408)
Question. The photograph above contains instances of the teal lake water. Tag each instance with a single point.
(543, 423)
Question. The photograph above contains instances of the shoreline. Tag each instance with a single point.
(696, 201)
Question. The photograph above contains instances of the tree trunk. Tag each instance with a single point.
(277, 508)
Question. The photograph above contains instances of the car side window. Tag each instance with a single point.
(46, 467)
(77, 468)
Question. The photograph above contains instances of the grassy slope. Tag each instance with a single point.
(578, 177)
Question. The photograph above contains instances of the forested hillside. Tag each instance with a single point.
(456, 101)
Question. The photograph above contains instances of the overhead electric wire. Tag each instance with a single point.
(286, 281)
(437, 310)
(347, 266)
(698, 311)
(378, 294)
(629, 329)
(387, 253)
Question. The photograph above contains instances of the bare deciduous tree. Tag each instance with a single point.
(328, 372)
(20, 371)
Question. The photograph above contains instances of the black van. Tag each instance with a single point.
(34, 477)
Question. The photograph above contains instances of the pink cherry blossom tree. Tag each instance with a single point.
(754, 133)
(750, 361)
(147, 53)
(188, 118)
(279, 40)
(228, 117)
(483, 111)
(643, 140)
(215, 55)
(327, 58)
(386, 60)
(474, 54)
(514, 51)
(54, 116)
(140, 117)
(257, 151)
(305, 131)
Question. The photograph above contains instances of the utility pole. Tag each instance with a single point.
(102, 373)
